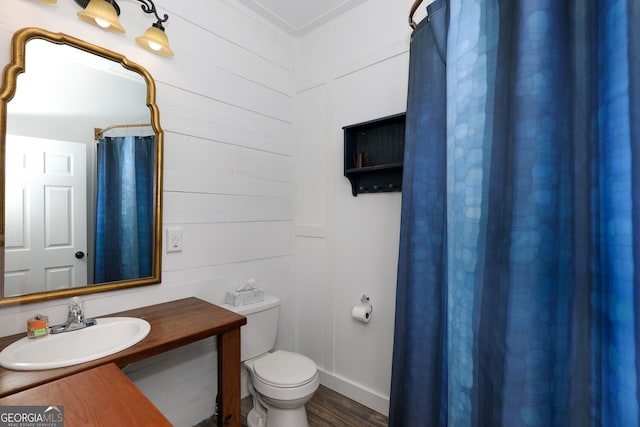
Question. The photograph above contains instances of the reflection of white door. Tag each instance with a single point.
(45, 215)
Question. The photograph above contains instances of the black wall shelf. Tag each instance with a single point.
(374, 153)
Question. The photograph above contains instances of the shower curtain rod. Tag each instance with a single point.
(414, 7)
(98, 133)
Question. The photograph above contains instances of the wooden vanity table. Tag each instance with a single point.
(101, 396)
(173, 324)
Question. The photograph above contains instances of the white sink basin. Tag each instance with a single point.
(110, 335)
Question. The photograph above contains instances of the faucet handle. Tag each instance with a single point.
(76, 310)
(75, 304)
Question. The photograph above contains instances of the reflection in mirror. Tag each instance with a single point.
(82, 157)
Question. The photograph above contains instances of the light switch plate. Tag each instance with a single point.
(174, 239)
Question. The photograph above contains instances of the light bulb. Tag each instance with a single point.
(155, 46)
(102, 23)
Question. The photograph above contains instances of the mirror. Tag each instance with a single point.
(81, 156)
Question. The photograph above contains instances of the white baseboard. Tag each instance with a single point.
(356, 392)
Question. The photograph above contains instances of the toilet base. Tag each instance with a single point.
(255, 420)
(279, 418)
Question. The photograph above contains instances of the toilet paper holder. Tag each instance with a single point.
(364, 299)
(362, 312)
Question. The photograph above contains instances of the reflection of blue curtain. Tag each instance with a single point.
(518, 300)
(125, 206)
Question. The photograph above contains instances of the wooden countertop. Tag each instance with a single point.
(173, 324)
(101, 396)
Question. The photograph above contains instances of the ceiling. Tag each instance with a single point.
(298, 17)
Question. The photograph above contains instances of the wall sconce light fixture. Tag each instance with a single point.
(104, 14)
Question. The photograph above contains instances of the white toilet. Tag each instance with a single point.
(280, 382)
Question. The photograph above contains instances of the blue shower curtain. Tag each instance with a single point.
(519, 272)
(124, 208)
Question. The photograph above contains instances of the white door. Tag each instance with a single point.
(45, 215)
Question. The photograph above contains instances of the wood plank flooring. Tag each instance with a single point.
(329, 408)
(326, 408)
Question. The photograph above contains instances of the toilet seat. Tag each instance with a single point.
(284, 369)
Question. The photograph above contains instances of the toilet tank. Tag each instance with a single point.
(258, 336)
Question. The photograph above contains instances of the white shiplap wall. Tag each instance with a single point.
(350, 70)
(226, 106)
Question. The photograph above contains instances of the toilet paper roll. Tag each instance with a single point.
(362, 313)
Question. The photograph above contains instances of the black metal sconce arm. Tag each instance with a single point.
(151, 8)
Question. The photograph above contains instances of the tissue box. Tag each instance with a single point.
(237, 298)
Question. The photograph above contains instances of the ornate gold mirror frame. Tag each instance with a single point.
(7, 92)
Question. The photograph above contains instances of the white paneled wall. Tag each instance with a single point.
(226, 107)
(350, 70)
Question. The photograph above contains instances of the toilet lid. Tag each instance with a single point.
(284, 369)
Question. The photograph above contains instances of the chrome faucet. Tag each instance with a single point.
(75, 318)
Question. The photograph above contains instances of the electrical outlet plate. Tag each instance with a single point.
(174, 239)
